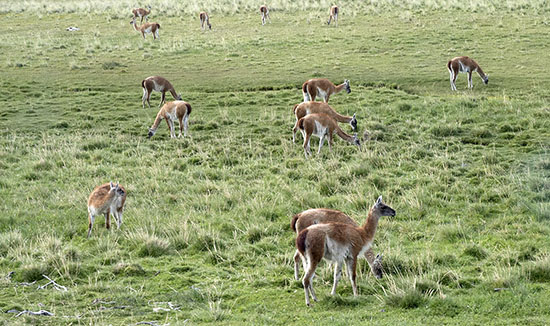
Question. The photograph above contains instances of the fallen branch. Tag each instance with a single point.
(35, 313)
(26, 283)
(56, 286)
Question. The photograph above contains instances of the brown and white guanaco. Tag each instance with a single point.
(321, 125)
(309, 217)
(205, 20)
(141, 13)
(106, 199)
(157, 84)
(302, 109)
(147, 28)
(338, 242)
(265, 14)
(465, 65)
(333, 15)
(322, 87)
(172, 111)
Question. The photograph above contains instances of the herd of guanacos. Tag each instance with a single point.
(321, 233)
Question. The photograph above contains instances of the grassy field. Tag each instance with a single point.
(206, 236)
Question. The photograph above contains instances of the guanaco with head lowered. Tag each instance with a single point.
(205, 20)
(322, 87)
(333, 15)
(305, 108)
(171, 111)
(157, 84)
(147, 28)
(141, 13)
(309, 217)
(265, 14)
(465, 65)
(339, 243)
(321, 125)
(106, 199)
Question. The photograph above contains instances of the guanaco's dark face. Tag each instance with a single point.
(150, 133)
(486, 80)
(383, 209)
(348, 88)
(353, 123)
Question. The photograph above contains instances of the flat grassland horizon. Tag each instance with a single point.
(206, 236)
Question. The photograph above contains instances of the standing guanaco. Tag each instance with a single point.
(305, 108)
(265, 14)
(205, 20)
(147, 28)
(338, 242)
(106, 199)
(465, 65)
(157, 84)
(321, 125)
(140, 12)
(171, 111)
(333, 15)
(322, 87)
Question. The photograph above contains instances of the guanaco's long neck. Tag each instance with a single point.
(480, 72)
(370, 225)
(339, 88)
(173, 92)
(135, 28)
(341, 118)
(344, 136)
(159, 118)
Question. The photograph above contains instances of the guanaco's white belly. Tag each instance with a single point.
(321, 93)
(320, 130)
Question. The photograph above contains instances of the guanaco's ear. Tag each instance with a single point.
(354, 116)
(111, 183)
(379, 200)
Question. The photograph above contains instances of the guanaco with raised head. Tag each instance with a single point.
(147, 28)
(322, 87)
(302, 109)
(309, 217)
(338, 242)
(106, 199)
(321, 125)
(157, 84)
(171, 111)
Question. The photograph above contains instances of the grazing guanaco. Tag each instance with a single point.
(106, 199)
(310, 217)
(321, 125)
(333, 15)
(265, 14)
(157, 84)
(141, 13)
(322, 87)
(147, 28)
(205, 20)
(171, 111)
(465, 65)
(338, 242)
(305, 108)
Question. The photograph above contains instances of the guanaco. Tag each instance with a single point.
(141, 13)
(106, 199)
(157, 84)
(205, 20)
(302, 109)
(338, 242)
(465, 65)
(171, 111)
(333, 15)
(322, 87)
(265, 14)
(321, 125)
(147, 28)
(309, 217)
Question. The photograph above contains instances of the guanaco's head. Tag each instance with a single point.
(149, 7)
(356, 140)
(116, 189)
(486, 79)
(348, 89)
(209, 26)
(132, 22)
(381, 209)
(179, 98)
(353, 123)
(151, 133)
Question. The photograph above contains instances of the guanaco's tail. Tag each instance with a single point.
(188, 108)
(301, 241)
(293, 222)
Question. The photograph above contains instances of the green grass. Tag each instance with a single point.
(206, 236)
